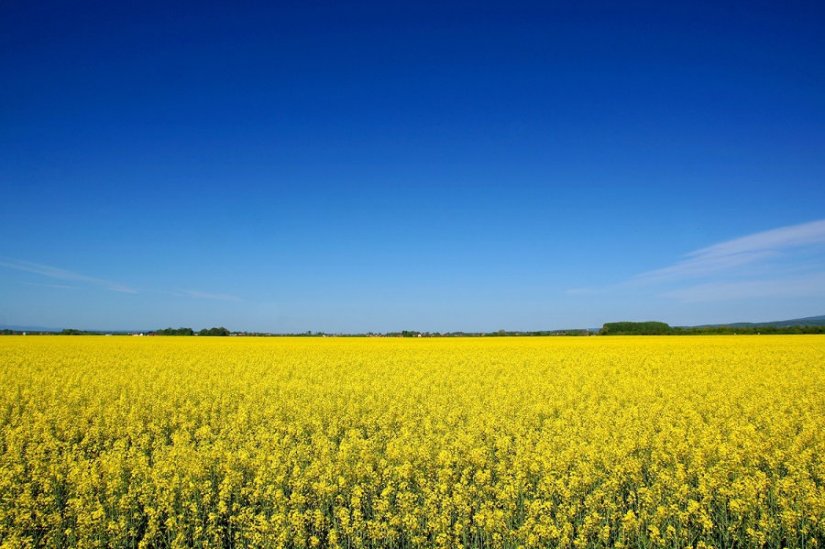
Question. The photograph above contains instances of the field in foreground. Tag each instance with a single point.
(232, 442)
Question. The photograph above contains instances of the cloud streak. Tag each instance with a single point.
(45, 285)
(63, 274)
(790, 287)
(783, 263)
(732, 254)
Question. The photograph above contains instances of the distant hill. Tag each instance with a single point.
(29, 328)
(807, 325)
(48, 330)
(806, 321)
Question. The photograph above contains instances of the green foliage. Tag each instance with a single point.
(175, 332)
(636, 328)
(214, 332)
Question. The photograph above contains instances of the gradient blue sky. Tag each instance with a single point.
(322, 166)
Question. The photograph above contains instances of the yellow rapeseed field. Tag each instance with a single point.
(353, 442)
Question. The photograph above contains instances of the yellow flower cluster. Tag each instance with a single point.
(352, 442)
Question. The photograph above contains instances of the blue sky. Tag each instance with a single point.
(321, 166)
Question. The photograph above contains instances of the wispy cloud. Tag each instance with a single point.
(783, 287)
(788, 262)
(732, 254)
(56, 273)
(63, 274)
(58, 286)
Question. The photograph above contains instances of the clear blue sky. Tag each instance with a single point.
(324, 166)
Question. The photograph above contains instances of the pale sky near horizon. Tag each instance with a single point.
(373, 167)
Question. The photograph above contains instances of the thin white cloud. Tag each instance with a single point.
(792, 287)
(62, 274)
(785, 262)
(747, 250)
(57, 273)
(43, 285)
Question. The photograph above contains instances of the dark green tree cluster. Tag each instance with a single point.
(175, 332)
(221, 331)
(636, 328)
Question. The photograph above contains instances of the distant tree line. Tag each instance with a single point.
(661, 328)
(174, 332)
(749, 330)
(498, 333)
(220, 331)
(609, 329)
